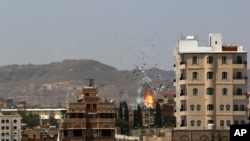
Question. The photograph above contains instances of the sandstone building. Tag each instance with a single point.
(211, 84)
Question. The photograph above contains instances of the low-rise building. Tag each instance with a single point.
(10, 127)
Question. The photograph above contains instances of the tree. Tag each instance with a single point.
(158, 119)
(120, 115)
(123, 126)
(135, 119)
(29, 119)
(139, 116)
(126, 112)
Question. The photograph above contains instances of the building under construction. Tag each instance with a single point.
(90, 118)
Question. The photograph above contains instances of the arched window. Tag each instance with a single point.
(222, 107)
(194, 60)
(195, 75)
(224, 75)
(209, 75)
(222, 123)
(195, 91)
(239, 59)
(228, 122)
(192, 107)
(228, 107)
(224, 91)
(236, 108)
(210, 91)
(239, 75)
(210, 60)
(223, 60)
(236, 122)
(198, 123)
(192, 122)
(198, 107)
(242, 107)
(239, 91)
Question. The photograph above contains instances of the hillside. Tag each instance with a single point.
(49, 84)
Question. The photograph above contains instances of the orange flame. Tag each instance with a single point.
(148, 98)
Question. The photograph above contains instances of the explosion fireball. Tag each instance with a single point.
(148, 98)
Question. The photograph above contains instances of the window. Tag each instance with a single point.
(242, 122)
(88, 106)
(15, 121)
(223, 60)
(222, 123)
(239, 75)
(192, 122)
(236, 108)
(198, 107)
(222, 107)
(194, 60)
(94, 106)
(2, 121)
(210, 121)
(236, 122)
(209, 60)
(195, 75)
(192, 107)
(239, 60)
(242, 107)
(224, 75)
(228, 122)
(209, 75)
(2, 127)
(195, 91)
(239, 91)
(7, 128)
(228, 107)
(210, 91)
(15, 127)
(7, 121)
(198, 123)
(224, 91)
(210, 107)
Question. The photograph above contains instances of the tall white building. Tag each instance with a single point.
(10, 127)
(211, 84)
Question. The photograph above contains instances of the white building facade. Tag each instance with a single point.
(10, 127)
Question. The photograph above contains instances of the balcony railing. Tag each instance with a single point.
(239, 62)
(182, 94)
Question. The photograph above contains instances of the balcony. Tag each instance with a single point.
(240, 80)
(240, 113)
(182, 65)
(240, 96)
(240, 65)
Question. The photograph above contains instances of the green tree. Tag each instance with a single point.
(30, 120)
(135, 121)
(139, 116)
(120, 115)
(158, 119)
(126, 112)
(123, 126)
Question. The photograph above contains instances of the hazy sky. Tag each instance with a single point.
(115, 32)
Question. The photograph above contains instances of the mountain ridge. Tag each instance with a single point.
(49, 84)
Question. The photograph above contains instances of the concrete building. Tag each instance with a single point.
(211, 84)
(10, 127)
(44, 114)
(90, 118)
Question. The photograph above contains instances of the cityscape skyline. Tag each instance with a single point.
(122, 34)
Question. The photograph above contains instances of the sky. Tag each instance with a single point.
(123, 34)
